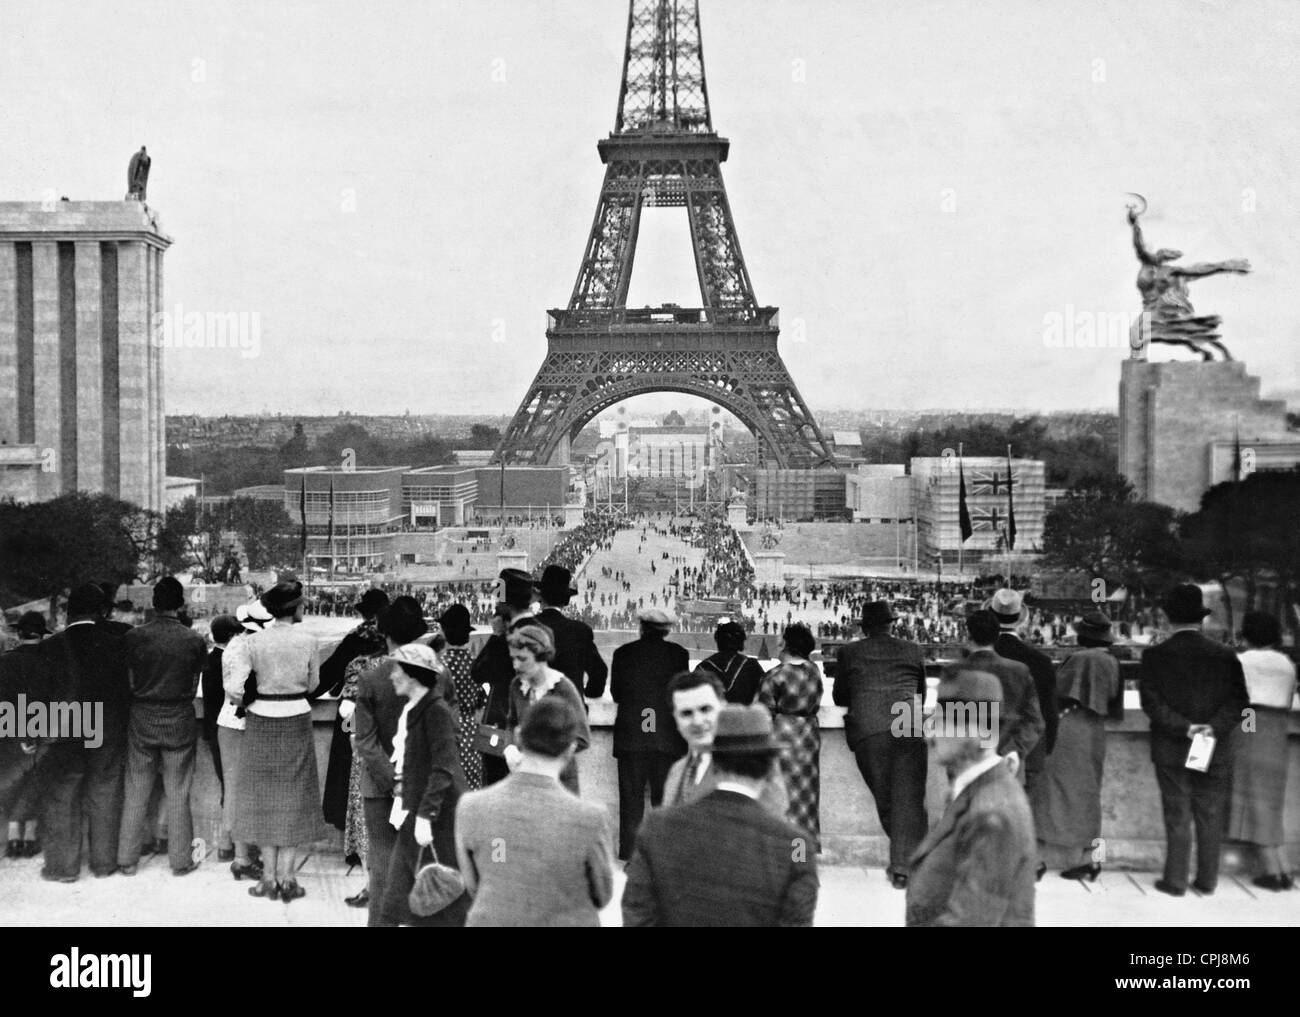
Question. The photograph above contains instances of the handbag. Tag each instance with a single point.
(436, 885)
(491, 740)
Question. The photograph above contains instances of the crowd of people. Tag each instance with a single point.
(439, 753)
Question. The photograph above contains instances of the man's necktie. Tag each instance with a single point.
(688, 778)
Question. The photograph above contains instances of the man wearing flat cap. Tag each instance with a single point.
(1191, 685)
(976, 867)
(739, 673)
(1008, 606)
(575, 644)
(645, 735)
(165, 659)
(724, 860)
(872, 676)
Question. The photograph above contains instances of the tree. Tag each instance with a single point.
(190, 540)
(1249, 531)
(483, 436)
(265, 531)
(1100, 529)
(47, 548)
(294, 452)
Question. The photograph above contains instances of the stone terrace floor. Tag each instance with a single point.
(850, 896)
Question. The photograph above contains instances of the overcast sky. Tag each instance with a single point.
(400, 190)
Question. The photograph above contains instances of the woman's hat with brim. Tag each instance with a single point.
(282, 597)
(744, 730)
(418, 661)
(1096, 626)
(252, 616)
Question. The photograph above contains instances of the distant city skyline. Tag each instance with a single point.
(399, 198)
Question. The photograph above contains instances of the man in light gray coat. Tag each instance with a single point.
(977, 866)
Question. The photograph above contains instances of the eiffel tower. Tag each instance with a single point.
(663, 152)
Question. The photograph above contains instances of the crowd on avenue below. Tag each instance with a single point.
(453, 775)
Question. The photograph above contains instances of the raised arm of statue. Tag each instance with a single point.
(1238, 265)
(1144, 255)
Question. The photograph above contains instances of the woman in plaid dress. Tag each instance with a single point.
(792, 691)
(470, 697)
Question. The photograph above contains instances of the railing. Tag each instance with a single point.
(659, 317)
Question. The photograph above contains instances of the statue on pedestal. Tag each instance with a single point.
(137, 175)
(1168, 316)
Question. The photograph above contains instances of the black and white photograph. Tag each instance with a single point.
(418, 507)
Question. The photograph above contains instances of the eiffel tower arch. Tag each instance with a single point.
(663, 152)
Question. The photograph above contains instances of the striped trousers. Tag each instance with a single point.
(161, 736)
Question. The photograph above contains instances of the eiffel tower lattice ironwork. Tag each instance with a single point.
(663, 152)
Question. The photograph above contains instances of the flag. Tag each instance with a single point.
(1236, 453)
(1011, 507)
(302, 512)
(331, 527)
(963, 510)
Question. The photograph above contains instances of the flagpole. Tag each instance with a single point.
(1011, 516)
(961, 541)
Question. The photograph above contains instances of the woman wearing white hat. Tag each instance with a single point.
(429, 785)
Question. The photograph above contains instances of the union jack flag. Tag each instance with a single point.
(991, 482)
(987, 519)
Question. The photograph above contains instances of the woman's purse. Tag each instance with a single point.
(436, 885)
(492, 741)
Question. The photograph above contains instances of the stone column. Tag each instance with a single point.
(45, 314)
(8, 344)
(90, 367)
(160, 412)
(134, 341)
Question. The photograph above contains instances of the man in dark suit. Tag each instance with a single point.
(575, 645)
(1007, 605)
(1191, 685)
(724, 860)
(645, 735)
(739, 673)
(164, 659)
(88, 663)
(24, 675)
(976, 867)
(1020, 720)
(873, 675)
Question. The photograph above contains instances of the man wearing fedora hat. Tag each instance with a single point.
(1008, 606)
(1020, 719)
(724, 860)
(575, 644)
(1191, 685)
(872, 676)
(977, 866)
(645, 735)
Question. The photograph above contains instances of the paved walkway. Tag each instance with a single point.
(850, 896)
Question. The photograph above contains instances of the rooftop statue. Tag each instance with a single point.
(1168, 316)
